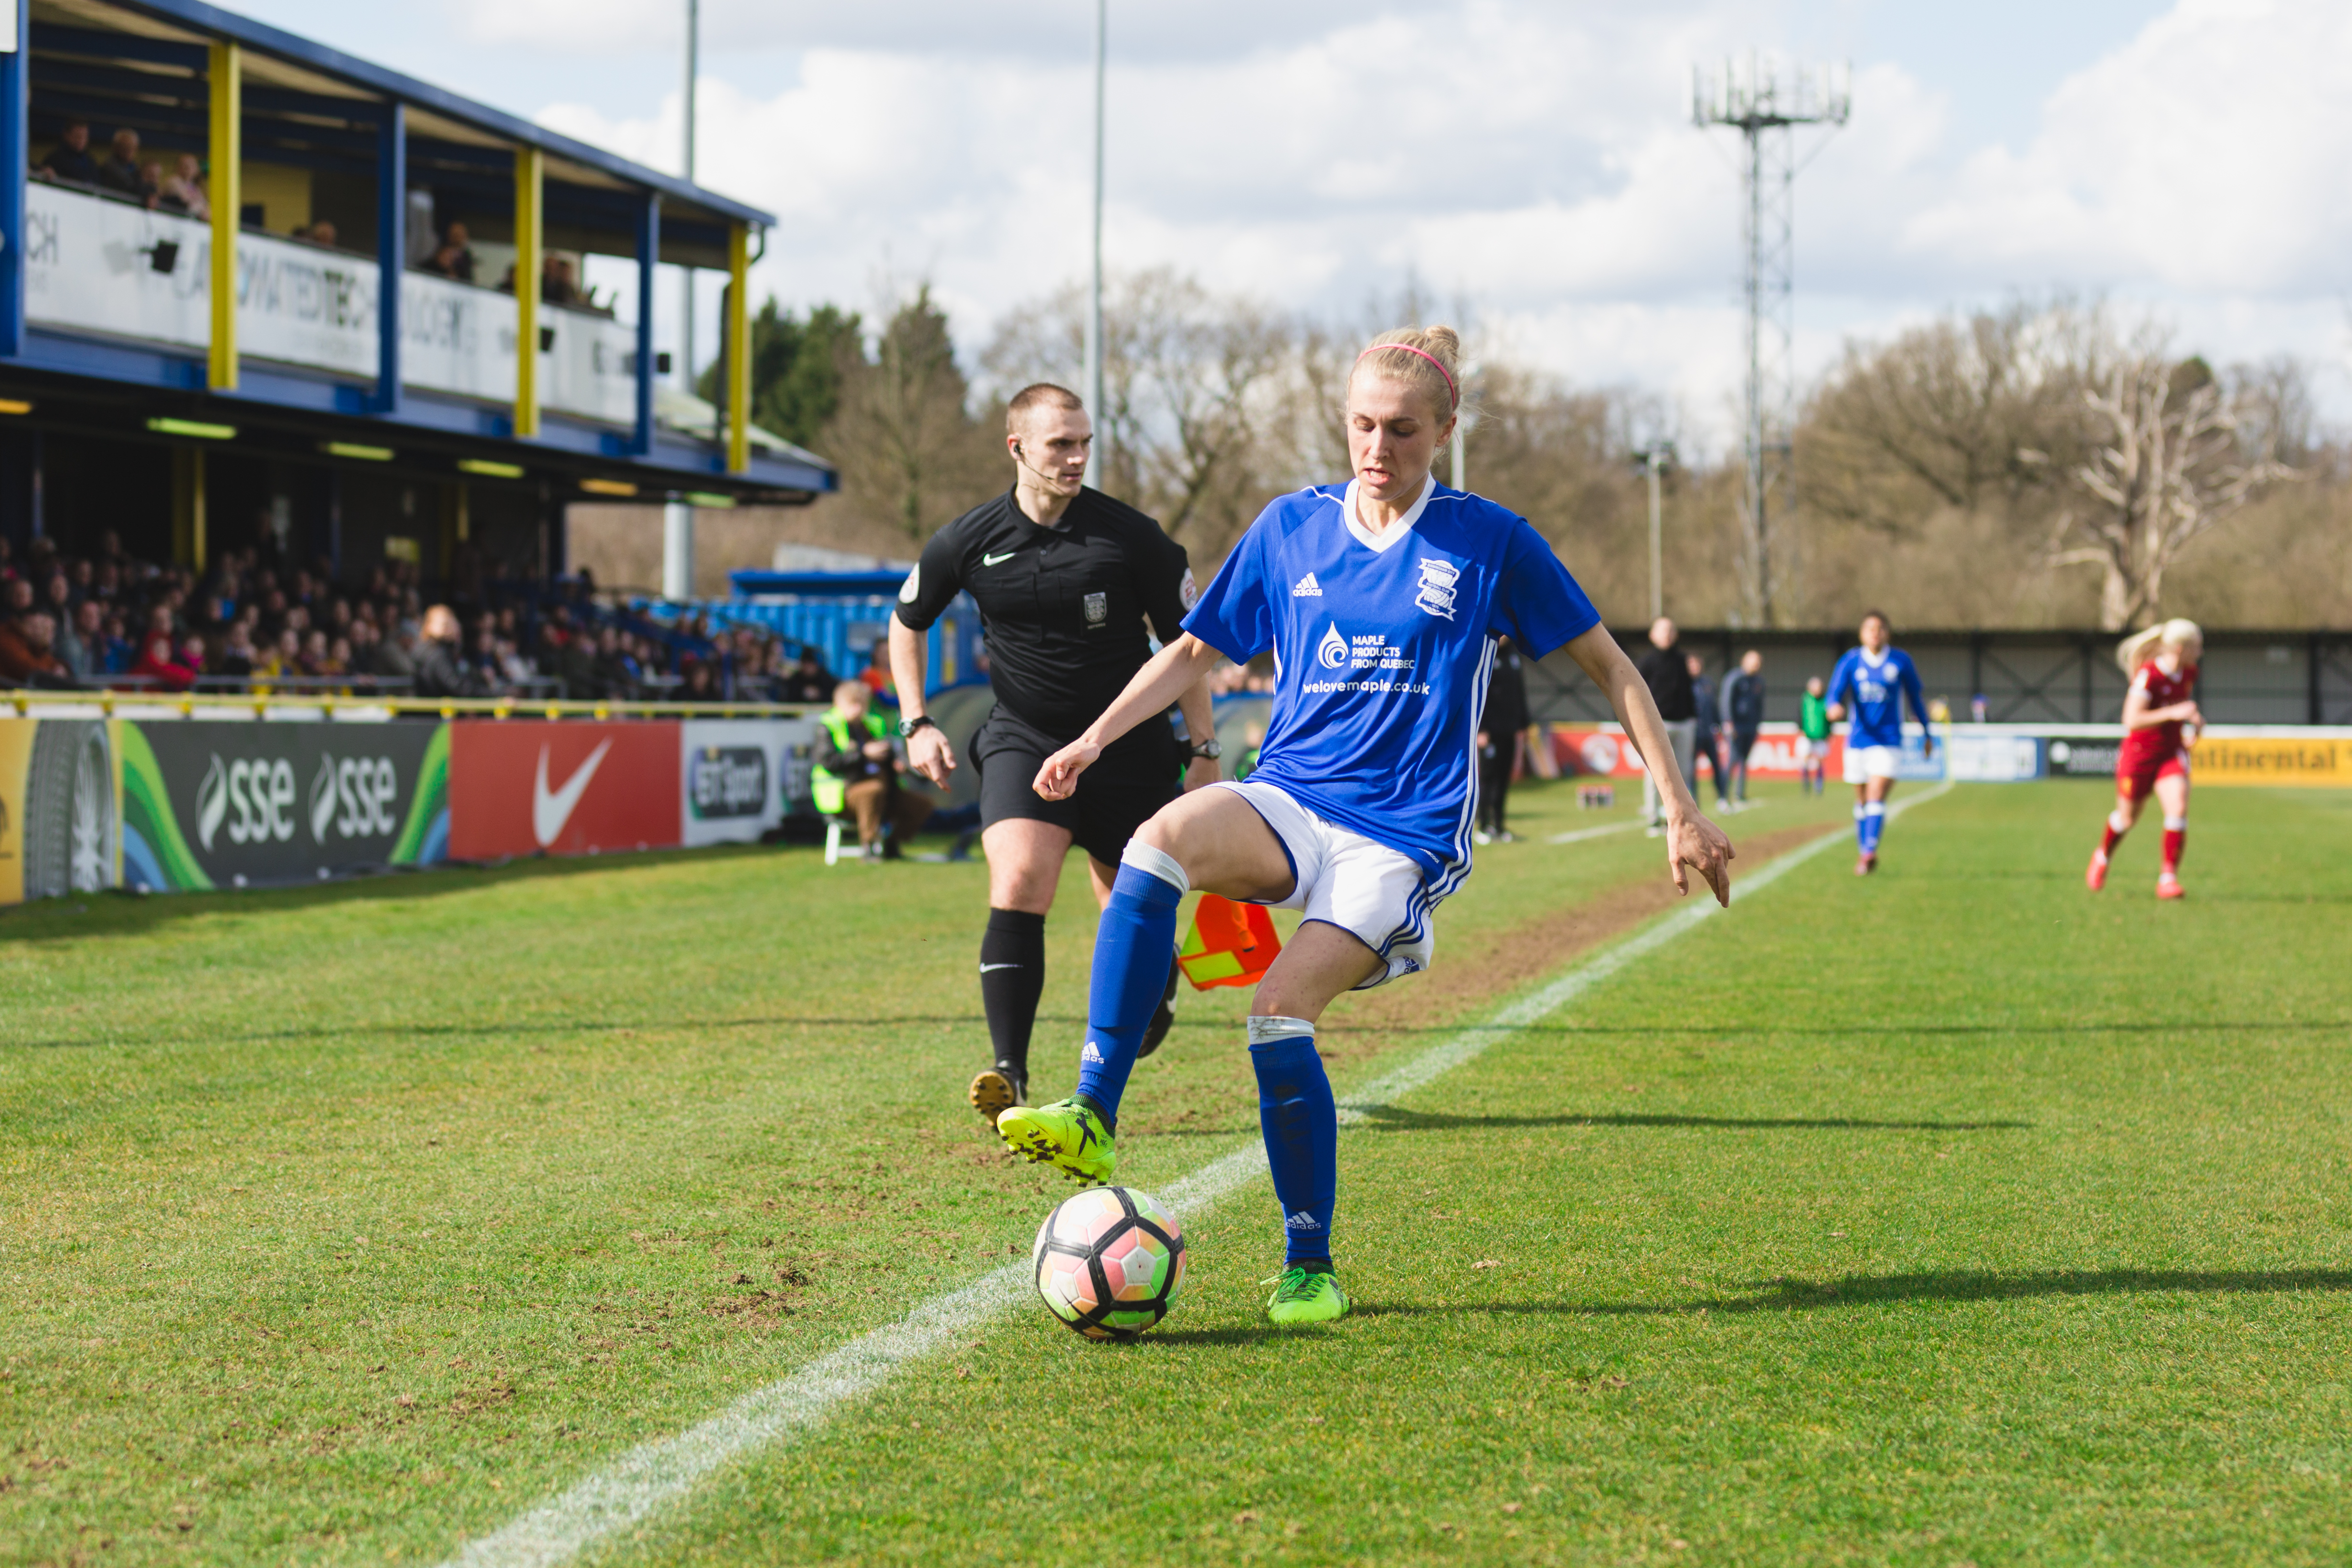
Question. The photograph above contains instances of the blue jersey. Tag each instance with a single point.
(1383, 645)
(1872, 691)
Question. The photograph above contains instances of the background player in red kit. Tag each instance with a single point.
(2160, 718)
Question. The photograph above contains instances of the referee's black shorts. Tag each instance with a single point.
(1136, 775)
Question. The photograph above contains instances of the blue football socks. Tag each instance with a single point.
(1869, 823)
(1131, 947)
(1301, 1128)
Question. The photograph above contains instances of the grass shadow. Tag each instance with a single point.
(1795, 1295)
(1390, 1119)
(118, 911)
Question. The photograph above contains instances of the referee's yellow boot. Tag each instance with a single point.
(1066, 1134)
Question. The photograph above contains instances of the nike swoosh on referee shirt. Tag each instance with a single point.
(998, 560)
(986, 967)
(551, 811)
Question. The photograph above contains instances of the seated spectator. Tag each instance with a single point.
(160, 668)
(70, 160)
(313, 658)
(394, 657)
(283, 660)
(183, 191)
(614, 674)
(26, 655)
(193, 657)
(454, 258)
(117, 649)
(809, 682)
(441, 670)
(81, 641)
(697, 684)
(558, 284)
(578, 669)
(236, 654)
(857, 769)
(879, 678)
(121, 174)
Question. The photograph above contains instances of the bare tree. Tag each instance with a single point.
(2175, 455)
(1202, 395)
(909, 449)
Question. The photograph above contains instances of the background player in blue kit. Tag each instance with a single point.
(1868, 689)
(1382, 601)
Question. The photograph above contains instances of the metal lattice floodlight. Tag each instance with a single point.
(1766, 101)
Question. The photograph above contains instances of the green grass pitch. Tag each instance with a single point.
(1952, 1216)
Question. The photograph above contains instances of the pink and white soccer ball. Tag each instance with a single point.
(1110, 1262)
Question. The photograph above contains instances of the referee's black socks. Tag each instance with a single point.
(1012, 978)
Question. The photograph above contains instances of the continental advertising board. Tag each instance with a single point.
(2323, 760)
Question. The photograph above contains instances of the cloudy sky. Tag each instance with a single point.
(1534, 160)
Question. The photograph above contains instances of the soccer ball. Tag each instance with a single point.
(1110, 1262)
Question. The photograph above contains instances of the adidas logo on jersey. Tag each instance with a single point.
(1302, 1220)
(1091, 1054)
(1307, 587)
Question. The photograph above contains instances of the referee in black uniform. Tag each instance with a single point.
(1071, 586)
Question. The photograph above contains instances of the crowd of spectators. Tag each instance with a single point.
(253, 623)
(123, 172)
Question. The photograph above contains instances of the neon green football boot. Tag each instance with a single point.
(1303, 1298)
(1064, 1134)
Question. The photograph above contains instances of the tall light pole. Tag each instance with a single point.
(1764, 105)
(693, 62)
(1094, 288)
(1655, 459)
(1462, 422)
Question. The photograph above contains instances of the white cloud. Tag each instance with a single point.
(1536, 160)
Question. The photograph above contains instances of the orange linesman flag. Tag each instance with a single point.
(1230, 943)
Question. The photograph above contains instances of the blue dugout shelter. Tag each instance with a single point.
(300, 349)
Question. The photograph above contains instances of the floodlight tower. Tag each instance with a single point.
(1765, 103)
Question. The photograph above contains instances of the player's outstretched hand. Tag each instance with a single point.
(1694, 842)
(1058, 779)
(930, 754)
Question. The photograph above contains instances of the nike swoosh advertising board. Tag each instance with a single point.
(529, 787)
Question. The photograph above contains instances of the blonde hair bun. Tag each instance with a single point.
(2136, 650)
(1427, 357)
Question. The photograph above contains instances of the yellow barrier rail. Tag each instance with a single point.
(25, 703)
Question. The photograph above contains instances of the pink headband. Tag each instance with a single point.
(1451, 391)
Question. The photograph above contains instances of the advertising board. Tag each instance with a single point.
(95, 265)
(1588, 750)
(2321, 760)
(1992, 759)
(545, 787)
(237, 804)
(739, 777)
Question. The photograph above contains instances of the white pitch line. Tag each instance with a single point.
(1578, 836)
(656, 1474)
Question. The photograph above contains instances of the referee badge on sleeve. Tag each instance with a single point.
(912, 588)
(1098, 608)
(1188, 590)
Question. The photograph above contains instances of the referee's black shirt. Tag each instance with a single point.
(1065, 606)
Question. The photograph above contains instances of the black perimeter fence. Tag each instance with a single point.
(2024, 676)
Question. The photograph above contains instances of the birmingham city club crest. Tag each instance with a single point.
(1437, 580)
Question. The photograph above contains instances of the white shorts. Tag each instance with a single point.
(1813, 750)
(1863, 763)
(1372, 892)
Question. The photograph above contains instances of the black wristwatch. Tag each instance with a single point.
(907, 727)
(1210, 750)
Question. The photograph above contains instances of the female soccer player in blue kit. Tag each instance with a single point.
(1382, 601)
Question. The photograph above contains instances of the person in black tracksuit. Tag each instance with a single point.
(1072, 586)
(1500, 728)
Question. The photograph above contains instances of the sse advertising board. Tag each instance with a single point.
(540, 787)
(234, 805)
